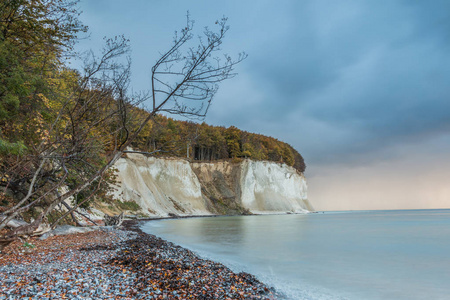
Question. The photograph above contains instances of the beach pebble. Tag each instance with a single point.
(114, 263)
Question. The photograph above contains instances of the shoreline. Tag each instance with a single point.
(130, 219)
(122, 263)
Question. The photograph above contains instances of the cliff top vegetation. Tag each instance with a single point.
(61, 130)
(164, 136)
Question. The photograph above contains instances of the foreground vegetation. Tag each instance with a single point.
(61, 130)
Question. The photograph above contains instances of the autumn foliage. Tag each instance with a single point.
(62, 130)
(165, 136)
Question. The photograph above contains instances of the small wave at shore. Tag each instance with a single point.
(342, 255)
(290, 290)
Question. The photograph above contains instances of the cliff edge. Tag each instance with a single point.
(166, 187)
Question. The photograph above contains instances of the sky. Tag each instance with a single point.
(359, 88)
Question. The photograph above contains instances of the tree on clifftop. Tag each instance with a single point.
(84, 121)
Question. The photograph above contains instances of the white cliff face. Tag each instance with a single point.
(268, 187)
(163, 186)
(160, 186)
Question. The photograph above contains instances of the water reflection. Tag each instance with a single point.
(253, 238)
(364, 255)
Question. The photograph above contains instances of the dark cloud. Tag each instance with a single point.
(339, 80)
(372, 74)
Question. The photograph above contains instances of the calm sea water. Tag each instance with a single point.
(332, 255)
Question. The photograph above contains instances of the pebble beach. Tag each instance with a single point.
(120, 263)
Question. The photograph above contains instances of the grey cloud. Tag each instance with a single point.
(339, 80)
(375, 70)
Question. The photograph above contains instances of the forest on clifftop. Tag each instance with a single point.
(62, 129)
(165, 136)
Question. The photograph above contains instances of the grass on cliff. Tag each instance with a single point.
(128, 205)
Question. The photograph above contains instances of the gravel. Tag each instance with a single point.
(118, 264)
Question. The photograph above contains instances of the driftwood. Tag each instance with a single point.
(17, 224)
(14, 223)
(113, 220)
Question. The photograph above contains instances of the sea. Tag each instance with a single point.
(400, 254)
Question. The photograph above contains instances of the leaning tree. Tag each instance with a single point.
(91, 122)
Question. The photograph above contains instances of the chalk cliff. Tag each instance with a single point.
(163, 187)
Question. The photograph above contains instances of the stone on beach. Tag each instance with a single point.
(118, 264)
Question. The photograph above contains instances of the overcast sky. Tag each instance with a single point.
(359, 88)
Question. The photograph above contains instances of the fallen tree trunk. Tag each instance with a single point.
(16, 225)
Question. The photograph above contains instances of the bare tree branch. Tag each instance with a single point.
(97, 117)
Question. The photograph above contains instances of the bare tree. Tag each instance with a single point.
(184, 80)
